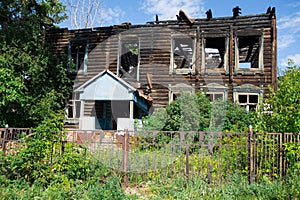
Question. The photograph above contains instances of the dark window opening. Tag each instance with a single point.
(214, 52)
(248, 51)
(129, 57)
(175, 96)
(183, 51)
(252, 107)
(253, 98)
(242, 98)
(77, 54)
(73, 109)
(248, 101)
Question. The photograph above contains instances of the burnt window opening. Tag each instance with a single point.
(249, 101)
(129, 59)
(248, 52)
(78, 53)
(214, 52)
(182, 55)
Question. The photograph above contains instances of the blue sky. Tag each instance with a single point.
(141, 11)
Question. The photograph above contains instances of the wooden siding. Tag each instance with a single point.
(155, 51)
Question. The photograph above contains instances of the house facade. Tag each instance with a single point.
(134, 69)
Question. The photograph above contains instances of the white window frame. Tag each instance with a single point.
(120, 44)
(225, 56)
(215, 88)
(173, 69)
(214, 95)
(247, 104)
(260, 55)
(178, 89)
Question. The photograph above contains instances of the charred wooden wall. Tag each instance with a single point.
(155, 50)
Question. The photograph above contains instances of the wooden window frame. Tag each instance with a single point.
(192, 67)
(260, 53)
(225, 56)
(128, 38)
(247, 104)
(78, 66)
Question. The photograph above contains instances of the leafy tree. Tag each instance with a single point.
(194, 112)
(188, 113)
(29, 70)
(281, 110)
(237, 118)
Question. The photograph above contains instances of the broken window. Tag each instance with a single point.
(78, 53)
(129, 58)
(248, 52)
(248, 100)
(182, 54)
(214, 51)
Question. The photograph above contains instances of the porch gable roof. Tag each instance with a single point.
(106, 86)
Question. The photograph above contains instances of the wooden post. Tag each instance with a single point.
(125, 147)
(280, 156)
(250, 156)
(131, 111)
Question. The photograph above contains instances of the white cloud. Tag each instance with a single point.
(290, 22)
(289, 29)
(166, 9)
(294, 4)
(295, 58)
(285, 41)
(110, 16)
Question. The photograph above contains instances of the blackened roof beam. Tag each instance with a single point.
(236, 11)
(209, 14)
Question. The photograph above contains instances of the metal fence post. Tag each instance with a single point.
(250, 155)
(125, 147)
(187, 165)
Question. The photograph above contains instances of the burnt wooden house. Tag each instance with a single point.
(124, 71)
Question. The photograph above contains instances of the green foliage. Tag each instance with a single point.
(281, 110)
(12, 99)
(234, 187)
(292, 153)
(111, 189)
(30, 71)
(156, 121)
(237, 118)
(195, 113)
(189, 112)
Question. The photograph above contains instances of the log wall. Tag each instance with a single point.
(155, 52)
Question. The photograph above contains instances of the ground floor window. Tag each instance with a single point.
(215, 96)
(248, 100)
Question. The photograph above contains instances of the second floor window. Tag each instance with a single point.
(78, 53)
(129, 58)
(182, 55)
(249, 52)
(214, 51)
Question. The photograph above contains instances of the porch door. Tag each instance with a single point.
(103, 115)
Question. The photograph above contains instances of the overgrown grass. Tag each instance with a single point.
(235, 187)
(108, 185)
(20, 190)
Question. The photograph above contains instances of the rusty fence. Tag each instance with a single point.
(145, 155)
(9, 136)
